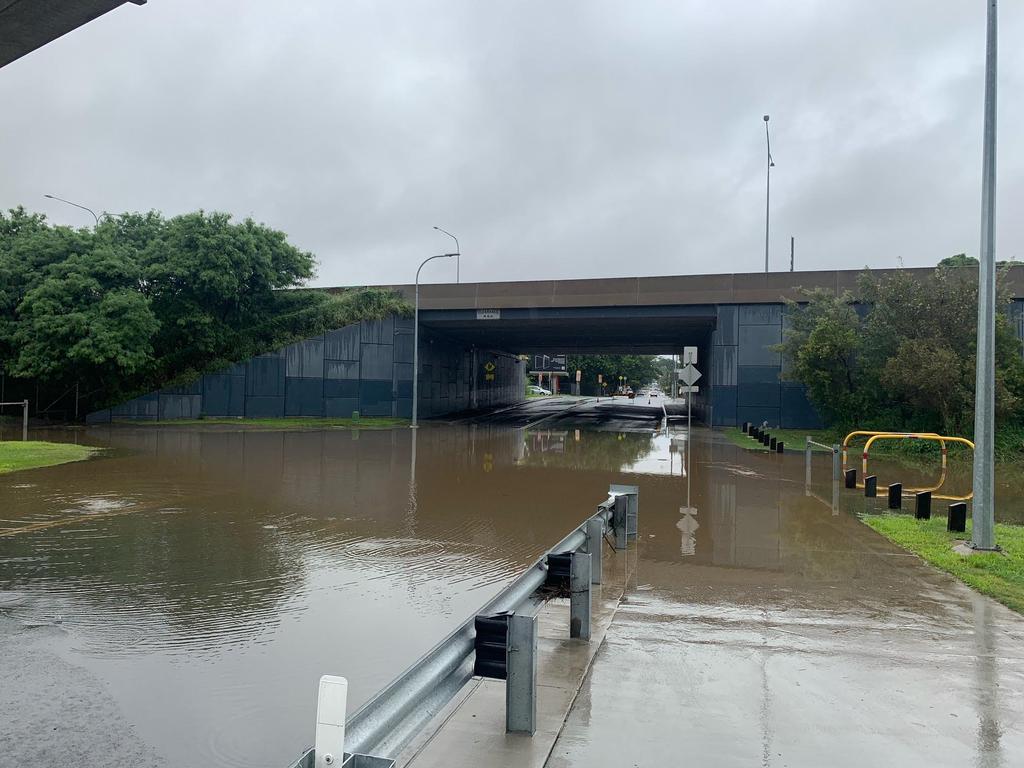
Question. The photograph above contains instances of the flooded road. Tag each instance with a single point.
(175, 600)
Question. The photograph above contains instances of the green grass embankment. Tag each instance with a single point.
(795, 439)
(1000, 575)
(299, 422)
(32, 454)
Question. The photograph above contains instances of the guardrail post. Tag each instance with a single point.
(24, 421)
(619, 522)
(632, 498)
(807, 461)
(851, 478)
(521, 684)
(579, 595)
(837, 467)
(595, 534)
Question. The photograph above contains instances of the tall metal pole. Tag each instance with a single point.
(90, 210)
(24, 421)
(767, 191)
(983, 535)
(416, 342)
(458, 251)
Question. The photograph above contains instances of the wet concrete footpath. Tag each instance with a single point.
(175, 601)
(777, 633)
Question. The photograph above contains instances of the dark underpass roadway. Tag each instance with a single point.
(606, 413)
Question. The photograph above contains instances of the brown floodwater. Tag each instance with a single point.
(191, 584)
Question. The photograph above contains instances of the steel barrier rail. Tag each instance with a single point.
(870, 433)
(923, 436)
(384, 725)
(833, 449)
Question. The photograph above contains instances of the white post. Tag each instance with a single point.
(24, 421)
(983, 516)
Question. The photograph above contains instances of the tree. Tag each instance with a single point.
(638, 370)
(821, 346)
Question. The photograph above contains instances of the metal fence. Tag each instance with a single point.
(381, 728)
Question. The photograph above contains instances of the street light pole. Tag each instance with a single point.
(416, 341)
(983, 515)
(458, 251)
(767, 190)
(90, 210)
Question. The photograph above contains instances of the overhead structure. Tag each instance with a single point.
(29, 24)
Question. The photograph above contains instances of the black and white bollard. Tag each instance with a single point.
(850, 477)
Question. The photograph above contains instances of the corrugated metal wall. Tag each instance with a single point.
(366, 367)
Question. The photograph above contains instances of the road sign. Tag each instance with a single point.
(579, 375)
(488, 314)
(489, 366)
(689, 355)
(688, 374)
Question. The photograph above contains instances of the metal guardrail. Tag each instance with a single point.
(383, 726)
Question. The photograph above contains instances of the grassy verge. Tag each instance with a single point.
(999, 575)
(298, 422)
(16, 456)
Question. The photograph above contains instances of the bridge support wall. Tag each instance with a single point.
(365, 367)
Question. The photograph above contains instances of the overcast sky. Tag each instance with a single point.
(556, 139)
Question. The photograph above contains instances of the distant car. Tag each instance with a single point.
(533, 389)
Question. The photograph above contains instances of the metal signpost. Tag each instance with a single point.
(689, 375)
(983, 535)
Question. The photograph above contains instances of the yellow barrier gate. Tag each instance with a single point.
(941, 439)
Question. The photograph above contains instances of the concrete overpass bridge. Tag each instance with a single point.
(733, 319)
(472, 334)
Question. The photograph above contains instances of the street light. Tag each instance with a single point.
(767, 191)
(416, 340)
(983, 516)
(90, 210)
(458, 251)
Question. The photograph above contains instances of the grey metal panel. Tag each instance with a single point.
(758, 374)
(341, 369)
(341, 388)
(265, 376)
(293, 360)
(377, 361)
(403, 324)
(312, 353)
(725, 329)
(377, 331)
(342, 344)
(192, 388)
(340, 407)
(375, 397)
(760, 314)
(758, 394)
(99, 417)
(404, 408)
(404, 389)
(146, 407)
(264, 407)
(179, 406)
(757, 414)
(403, 371)
(755, 343)
(723, 366)
(403, 347)
(217, 394)
(304, 397)
(723, 406)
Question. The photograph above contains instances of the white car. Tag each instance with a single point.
(533, 389)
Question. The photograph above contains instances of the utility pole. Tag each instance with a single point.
(792, 246)
(767, 191)
(983, 515)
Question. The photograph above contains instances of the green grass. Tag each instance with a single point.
(16, 456)
(299, 422)
(999, 575)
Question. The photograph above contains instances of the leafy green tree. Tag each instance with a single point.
(959, 260)
(821, 346)
(638, 370)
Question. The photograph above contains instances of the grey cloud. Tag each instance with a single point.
(556, 139)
